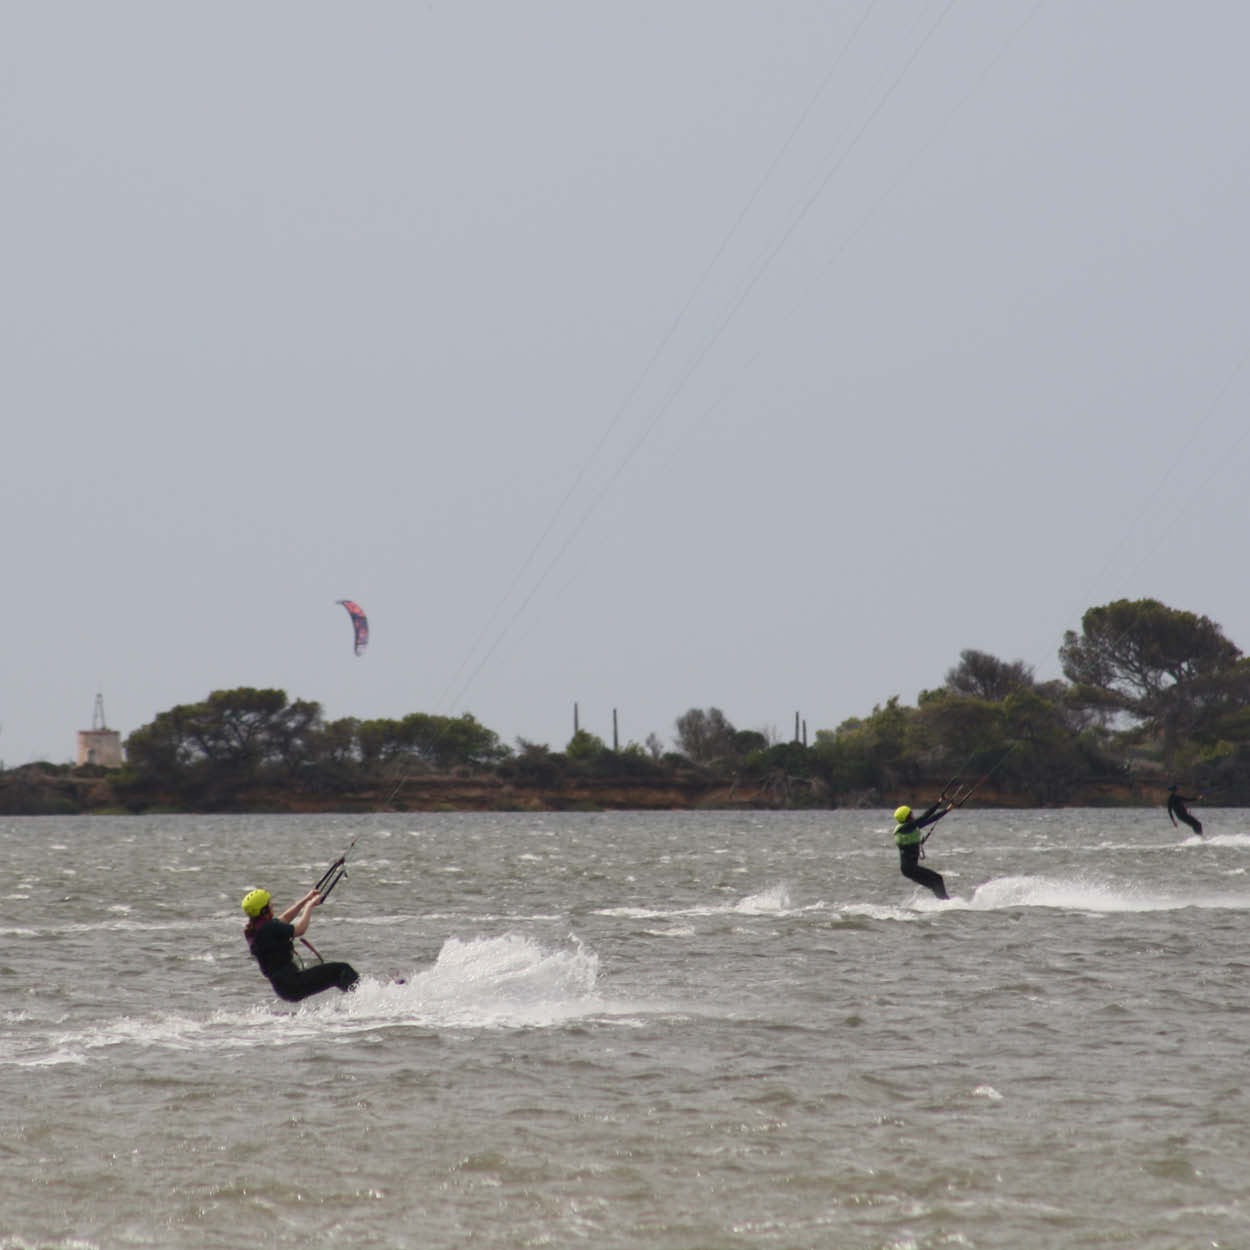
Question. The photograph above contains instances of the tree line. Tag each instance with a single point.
(1150, 694)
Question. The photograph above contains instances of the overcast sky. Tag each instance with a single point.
(647, 355)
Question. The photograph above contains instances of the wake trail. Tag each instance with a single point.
(1071, 894)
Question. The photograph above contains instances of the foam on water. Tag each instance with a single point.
(1219, 839)
(509, 981)
(774, 900)
(1086, 896)
(487, 982)
(1062, 893)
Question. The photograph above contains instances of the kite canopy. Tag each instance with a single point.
(360, 623)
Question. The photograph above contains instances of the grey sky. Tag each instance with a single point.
(648, 355)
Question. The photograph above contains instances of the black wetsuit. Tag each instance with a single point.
(273, 944)
(1178, 811)
(907, 835)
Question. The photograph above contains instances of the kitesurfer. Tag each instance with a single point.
(909, 839)
(1178, 811)
(272, 940)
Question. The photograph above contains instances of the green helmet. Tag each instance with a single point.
(902, 813)
(255, 902)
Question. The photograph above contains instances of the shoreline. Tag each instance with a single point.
(34, 791)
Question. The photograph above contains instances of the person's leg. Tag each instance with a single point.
(347, 976)
(909, 866)
(314, 980)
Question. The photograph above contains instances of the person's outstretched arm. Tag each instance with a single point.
(934, 814)
(309, 901)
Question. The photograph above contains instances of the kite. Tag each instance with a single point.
(360, 623)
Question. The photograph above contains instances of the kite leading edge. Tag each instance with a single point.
(360, 623)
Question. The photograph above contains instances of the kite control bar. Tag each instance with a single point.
(963, 793)
(329, 879)
(955, 793)
(334, 874)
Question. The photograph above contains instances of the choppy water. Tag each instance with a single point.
(674, 1030)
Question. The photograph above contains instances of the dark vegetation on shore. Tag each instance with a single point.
(1151, 696)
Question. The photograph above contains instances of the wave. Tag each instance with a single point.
(485, 982)
(1064, 894)
(496, 982)
(1088, 896)
(772, 901)
(1218, 839)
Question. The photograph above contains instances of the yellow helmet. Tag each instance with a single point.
(900, 814)
(255, 902)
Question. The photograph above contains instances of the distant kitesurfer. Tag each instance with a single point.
(272, 940)
(909, 840)
(1178, 811)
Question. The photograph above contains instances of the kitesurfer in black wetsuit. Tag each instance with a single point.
(909, 840)
(272, 940)
(1178, 811)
